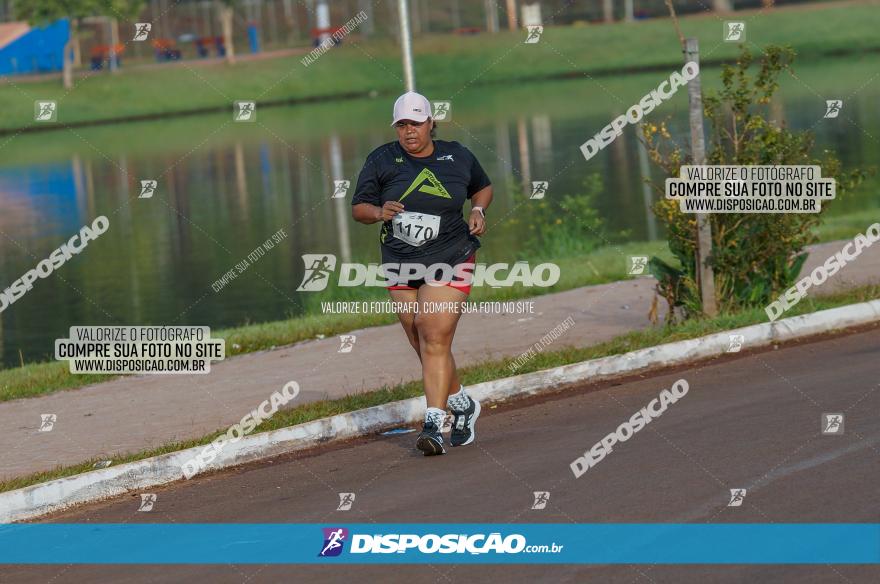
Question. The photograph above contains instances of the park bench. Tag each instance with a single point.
(101, 54)
(203, 45)
(166, 50)
(317, 33)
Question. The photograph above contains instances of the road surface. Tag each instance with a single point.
(750, 420)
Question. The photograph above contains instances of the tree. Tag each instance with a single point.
(42, 12)
(607, 11)
(226, 13)
(754, 256)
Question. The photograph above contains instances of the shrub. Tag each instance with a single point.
(563, 226)
(754, 256)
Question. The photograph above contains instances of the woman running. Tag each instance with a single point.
(417, 187)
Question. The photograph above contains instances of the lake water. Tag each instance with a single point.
(223, 188)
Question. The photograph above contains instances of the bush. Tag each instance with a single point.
(564, 226)
(754, 256)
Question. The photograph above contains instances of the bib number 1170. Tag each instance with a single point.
(415, 228)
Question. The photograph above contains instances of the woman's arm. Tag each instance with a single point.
(482, 198)
(477, 219)
(369, 213)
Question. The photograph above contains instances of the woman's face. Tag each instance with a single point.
(414, 136)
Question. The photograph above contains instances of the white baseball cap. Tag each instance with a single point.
(411, 106)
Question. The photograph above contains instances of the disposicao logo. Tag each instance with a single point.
(320, 267)
(334, 541)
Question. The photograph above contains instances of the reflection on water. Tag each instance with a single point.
(223, 195)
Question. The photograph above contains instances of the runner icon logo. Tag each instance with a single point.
(340, 188)
(318, 270)
(148, 187)
(245, 111)
(346, 343)
(637, 265)
(442, 111)
(47, 422)
(147, 501)
(541, 499)
(539, 189)
(534, 34)
(735, 31)
(736, 343)
(832, 423)
(736, 497)
(833, 107)
(334, 541)
(142, 31)
(45, 111)
(346, 500)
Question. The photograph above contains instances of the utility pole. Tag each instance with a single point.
(406, 45)
(704, 272)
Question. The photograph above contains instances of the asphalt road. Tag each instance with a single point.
(750, 420)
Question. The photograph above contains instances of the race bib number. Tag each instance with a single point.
(415, 228)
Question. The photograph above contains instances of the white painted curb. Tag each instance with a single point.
(37, 500)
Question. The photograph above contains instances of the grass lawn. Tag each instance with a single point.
(443, 64)
(479, 373)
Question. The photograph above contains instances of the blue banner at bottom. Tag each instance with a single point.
(441, 543)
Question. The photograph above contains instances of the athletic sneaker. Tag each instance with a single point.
(463, 424)
(430, 440)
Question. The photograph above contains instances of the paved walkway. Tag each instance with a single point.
(136, 413)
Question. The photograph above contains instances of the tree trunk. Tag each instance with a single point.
(511, 15)
(628, 12)
(77, 45)
(226, 24)
(607, 11)
(114, 41)
(67, 62)
(491, 16)
(722, 6)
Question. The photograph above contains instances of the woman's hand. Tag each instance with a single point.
(389, 210)
(477, 223)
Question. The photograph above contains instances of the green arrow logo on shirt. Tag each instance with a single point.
(427, 183)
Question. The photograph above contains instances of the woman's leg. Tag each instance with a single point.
(436, 329)
(407, 319)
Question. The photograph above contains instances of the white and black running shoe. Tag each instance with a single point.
(463, 424)
(430, 440)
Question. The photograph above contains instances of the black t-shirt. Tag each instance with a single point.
(429, 188)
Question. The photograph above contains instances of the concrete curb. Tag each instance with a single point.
(37, 500)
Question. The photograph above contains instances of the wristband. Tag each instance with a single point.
(480, 209)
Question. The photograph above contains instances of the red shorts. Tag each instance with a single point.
(415, 284)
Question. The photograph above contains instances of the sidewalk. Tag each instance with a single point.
(137, 413)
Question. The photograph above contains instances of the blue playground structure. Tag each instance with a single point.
(39, 50)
